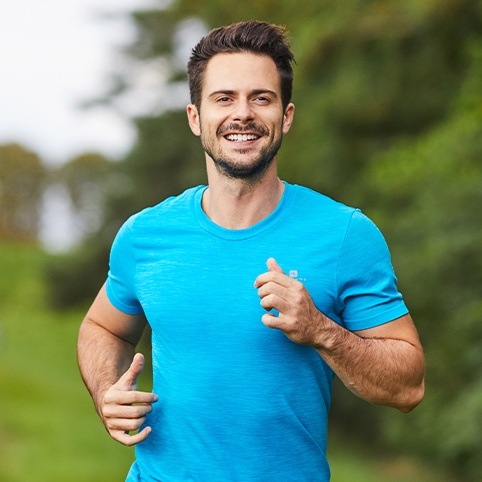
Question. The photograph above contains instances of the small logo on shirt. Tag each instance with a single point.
(293, 273)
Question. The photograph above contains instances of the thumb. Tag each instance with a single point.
(129, 379)
(273, 265)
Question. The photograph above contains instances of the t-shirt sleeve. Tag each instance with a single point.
(367, 286)
(120, 285)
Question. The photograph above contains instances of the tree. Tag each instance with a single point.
(21, 187)
(86, 179)
(433, 185)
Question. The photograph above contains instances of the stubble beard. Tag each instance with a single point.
(251, 171)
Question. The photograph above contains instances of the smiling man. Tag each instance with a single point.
(257, 292)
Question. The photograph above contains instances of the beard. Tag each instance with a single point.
(228, 166)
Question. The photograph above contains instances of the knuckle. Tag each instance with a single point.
(109, 397)
(298, 297)
(126, 440)
(138, 411)
(134, 424)
(299, 285)
(115, 424)
(107, 411)
(268, 298)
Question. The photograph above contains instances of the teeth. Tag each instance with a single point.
(241, 137)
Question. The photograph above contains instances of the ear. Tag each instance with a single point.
(288, 117)
(193, 119)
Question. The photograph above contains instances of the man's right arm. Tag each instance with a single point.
(110, 367)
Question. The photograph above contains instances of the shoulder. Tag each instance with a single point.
(317, 202)
(322, 212)
(334, 220)
(173, 209)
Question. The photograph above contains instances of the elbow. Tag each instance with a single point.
(412, 394)
(412, 398)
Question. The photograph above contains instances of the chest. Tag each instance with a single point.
(184, 280)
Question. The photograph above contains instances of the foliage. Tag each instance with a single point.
(434, 185)
(75, 277)
(165, 160)
(21, 187)
(86, 179)
(89, 181)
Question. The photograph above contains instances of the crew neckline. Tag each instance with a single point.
(238, 234)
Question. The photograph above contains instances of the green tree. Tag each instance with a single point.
(427, 194)
(86, 179)
(21, 187)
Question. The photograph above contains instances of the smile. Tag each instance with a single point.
(241, 137)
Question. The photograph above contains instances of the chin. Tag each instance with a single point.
(245, 171)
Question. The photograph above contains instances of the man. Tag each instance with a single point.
(257, 291)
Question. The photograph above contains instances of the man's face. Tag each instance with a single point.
(241, 120)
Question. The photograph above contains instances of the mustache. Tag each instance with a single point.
(252, 128)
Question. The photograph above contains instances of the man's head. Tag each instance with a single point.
(255, 37)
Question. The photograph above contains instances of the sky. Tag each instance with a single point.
(54, 57)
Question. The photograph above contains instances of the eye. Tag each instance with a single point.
(262, 99)
(223, 100)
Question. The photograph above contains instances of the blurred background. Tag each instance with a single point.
(388, 101)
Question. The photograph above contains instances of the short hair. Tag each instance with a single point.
(256, 37)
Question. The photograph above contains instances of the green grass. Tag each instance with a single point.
(49, 430)
(350, 463)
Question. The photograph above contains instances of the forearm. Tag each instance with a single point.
(383, 365)
(383, 371)
(103, 357)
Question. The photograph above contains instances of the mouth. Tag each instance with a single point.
(239, 134)
(241, 137)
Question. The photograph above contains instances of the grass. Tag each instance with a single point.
(49, 430)
(351, 463)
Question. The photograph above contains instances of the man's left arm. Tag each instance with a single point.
(383, 365)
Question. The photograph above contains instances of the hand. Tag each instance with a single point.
(123, 409)
(298, 317)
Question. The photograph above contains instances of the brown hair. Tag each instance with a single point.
(256, 37)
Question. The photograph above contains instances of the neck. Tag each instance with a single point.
(240, 203)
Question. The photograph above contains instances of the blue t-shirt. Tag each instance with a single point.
(239, 401)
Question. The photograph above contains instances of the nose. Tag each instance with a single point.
(243, 111)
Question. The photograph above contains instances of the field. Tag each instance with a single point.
(49, 431)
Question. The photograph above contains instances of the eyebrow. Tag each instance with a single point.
(253, 92)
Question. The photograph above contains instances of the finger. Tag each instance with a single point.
(273, 265)
(272, 287)
(130, 439)
(271, 321)
(274, 302)
(129, 397)
(125, 425)
(274, 276)
(129, 379)
(126, 411)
